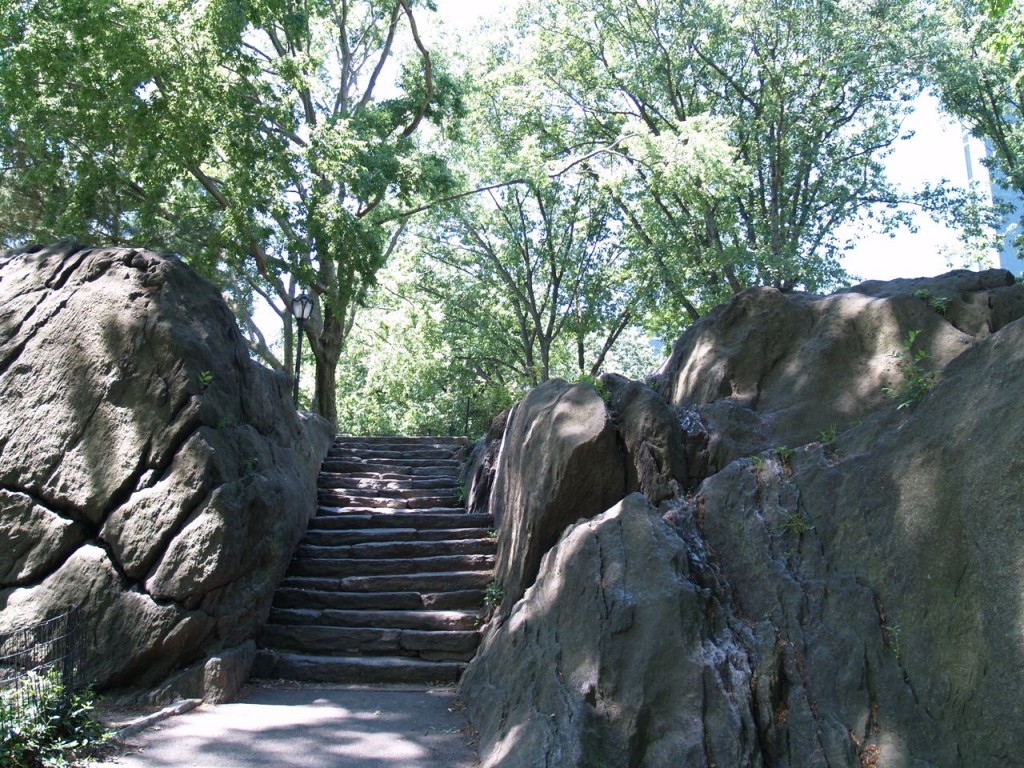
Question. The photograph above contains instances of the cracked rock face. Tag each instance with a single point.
(149, 470)
(852, 604)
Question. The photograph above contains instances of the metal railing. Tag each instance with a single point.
(35, 659)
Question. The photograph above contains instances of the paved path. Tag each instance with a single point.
(310, 727)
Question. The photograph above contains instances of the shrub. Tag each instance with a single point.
(42, 725)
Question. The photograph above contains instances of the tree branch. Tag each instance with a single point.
(428, 71)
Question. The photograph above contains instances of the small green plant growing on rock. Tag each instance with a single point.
(493, 595)
(795, 523)
(828, 436)
(892, 639)
(784, 455)
(938, 304)
(205, 379)
(596, 383)
(917, 379)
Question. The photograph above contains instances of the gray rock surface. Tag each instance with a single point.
(559, 462)
(656, 459)
(149, 470)
(775, 369)
(881, 576)
(477, 475)
(851, 602)
(617, 655)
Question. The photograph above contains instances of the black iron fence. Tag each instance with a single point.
(37, 661)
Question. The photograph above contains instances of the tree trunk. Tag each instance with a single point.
(324, 396)
(327, 352)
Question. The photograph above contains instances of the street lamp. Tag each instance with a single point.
(302, 308)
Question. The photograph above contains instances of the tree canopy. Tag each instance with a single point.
(544, 190)
(735, 136)
(534, 259)
(250, 135)
(978, 67)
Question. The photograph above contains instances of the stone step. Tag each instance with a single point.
(415, 619)
(389, 582)
(332, 538)
(378, 642)
(349, 499)
(372, 441)
(389, 566)
(337, 518)
(395, 451)
(397, 476)
(457, 645)
(384, 492)
(420, 456)
(415, 467)
(293, 597)
(366, 481)
(436, 582)
(354, 669)
(397, 549)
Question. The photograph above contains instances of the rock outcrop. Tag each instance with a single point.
(150, 472)
(777, 369)
(567, 453)
(826, 597)
(559, 462)
(595, 666)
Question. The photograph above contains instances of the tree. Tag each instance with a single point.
(405, 372)
(524, 271)
(518, 279)
(248, 135)
(531, 266)
(734, 136)
(418, 363)
(978, 68)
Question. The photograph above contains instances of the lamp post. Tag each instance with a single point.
(302, 308)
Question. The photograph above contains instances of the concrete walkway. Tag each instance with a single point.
(310, 727)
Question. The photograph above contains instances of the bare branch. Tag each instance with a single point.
(458, 196)
(385, 52)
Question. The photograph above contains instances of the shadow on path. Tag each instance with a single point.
(310, 727)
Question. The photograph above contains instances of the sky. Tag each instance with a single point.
(935, 152)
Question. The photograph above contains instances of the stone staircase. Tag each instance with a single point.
(388, 583)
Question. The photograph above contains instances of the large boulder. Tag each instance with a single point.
(846, 602)
(882, 576)
(773, 369)
(566, 453)
(151, 473)
(656, 461)
(616, 656)
(477, 474)
(559, 462)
